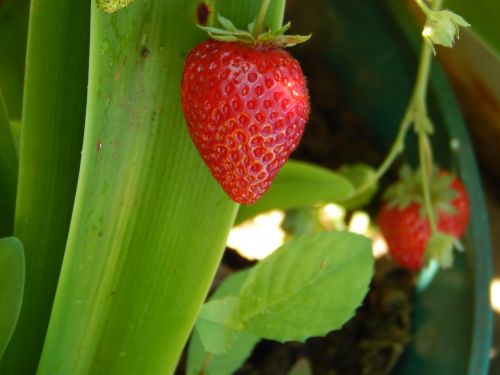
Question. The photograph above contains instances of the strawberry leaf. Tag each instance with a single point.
(229, 361)
(217, 324)
(306, 288)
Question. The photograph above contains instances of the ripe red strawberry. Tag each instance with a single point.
(405, 226)
(246, 105)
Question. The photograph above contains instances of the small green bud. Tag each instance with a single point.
(442, 27)
(112, 6)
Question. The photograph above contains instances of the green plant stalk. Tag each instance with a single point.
(52, 128)
(8, 173)
(424, 7)
(426, 166)
(260, 18)
(396, 149)
(415, 111)
(149, 224)
(425, 150)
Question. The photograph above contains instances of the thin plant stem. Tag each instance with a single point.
(396, 149)
(425, 150)
(423, 6)
(416, 109)
(259, 21)
(426, 166)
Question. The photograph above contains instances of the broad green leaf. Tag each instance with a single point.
(358, 174)
(49, 157)
(241, 348)
(13, 35)
(220, 364)
(217, 324)
(231, 285)
(11, 287)
(149, 222)
(299, 184)
(309, 287)
(8, 173)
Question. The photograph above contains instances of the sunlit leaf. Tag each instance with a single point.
(309, 287)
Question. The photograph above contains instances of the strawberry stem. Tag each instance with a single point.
(423, 125)
(259, 21)
(416, 111)
(396, 149)
(424, 7)
(426, 166)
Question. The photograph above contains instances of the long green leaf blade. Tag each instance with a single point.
(51, 138)
(8, 173)
(299, 184)
(11, 287)
(149, 223)
(13, 32)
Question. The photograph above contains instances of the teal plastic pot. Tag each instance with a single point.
(373, 48)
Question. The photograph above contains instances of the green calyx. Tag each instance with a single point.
(229, 33)
(440, 248)
(442, 28)
(408, 189)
